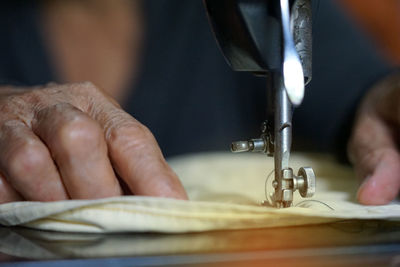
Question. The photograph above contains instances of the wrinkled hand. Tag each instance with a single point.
(374, 145)
(72, 141)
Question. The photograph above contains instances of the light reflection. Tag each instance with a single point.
(40, 245)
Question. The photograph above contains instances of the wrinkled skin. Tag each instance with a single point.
(374, 145)
(72, 141)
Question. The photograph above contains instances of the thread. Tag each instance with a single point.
(267, 194)
(270, 202)
(314, 200)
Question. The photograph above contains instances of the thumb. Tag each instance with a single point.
(373, 151)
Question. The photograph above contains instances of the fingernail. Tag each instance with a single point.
(362, 186)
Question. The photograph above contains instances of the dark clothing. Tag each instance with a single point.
(186, 93)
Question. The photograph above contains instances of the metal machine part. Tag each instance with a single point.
(301, 28)
(292, 70)
(271, 38)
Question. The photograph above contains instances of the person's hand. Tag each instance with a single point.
(72, 141)
(374, 145)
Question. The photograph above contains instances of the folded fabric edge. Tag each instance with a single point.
(53, 225)
(23, 213)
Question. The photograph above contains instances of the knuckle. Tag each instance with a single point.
(132, 140)
(87, 87)
(79, 131)
(26, 158)
(132, 134)
(86, 95)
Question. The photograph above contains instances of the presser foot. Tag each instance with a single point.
(287, 183)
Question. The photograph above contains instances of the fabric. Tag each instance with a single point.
(225, 191)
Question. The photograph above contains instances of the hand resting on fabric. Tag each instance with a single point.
(374, 145)
(73, 141)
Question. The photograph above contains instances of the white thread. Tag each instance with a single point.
(314, 200)
(267, 194)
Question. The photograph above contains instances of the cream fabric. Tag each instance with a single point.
(225, 192)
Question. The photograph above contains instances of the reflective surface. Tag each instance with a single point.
(341, 243)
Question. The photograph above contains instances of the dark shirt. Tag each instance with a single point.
(189, 97)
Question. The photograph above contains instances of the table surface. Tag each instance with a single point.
(345, 243)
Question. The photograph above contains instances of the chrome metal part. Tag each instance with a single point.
(305, 182)
(285, 182)
(240, 146)
(264, 144)
(287, 91)
(293, 76)
(283, 141)
(252, 145)
(301, 27)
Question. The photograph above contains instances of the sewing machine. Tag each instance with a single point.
(271, 38)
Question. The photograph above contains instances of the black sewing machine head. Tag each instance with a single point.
(249, 33)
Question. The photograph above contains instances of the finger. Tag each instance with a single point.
(79, 149)
(383, 184)
(27, 164)
(374, 154)
(133, 150)
(137, 157)
(7, 193)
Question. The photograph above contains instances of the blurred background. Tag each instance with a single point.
(159, 59)
(381, 21)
